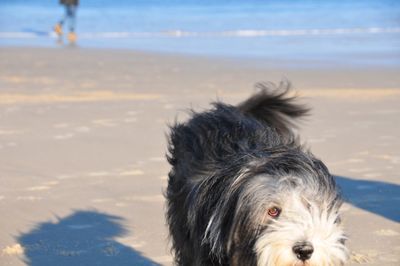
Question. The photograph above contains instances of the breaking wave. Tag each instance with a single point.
(180, 33)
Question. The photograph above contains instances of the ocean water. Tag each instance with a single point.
(360, 32)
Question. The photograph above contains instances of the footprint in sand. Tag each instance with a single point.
(386, 232)
(98, 174)
(61, 125)
(136, 172)
(120, 204)
(62, 177)
(145, 198)
(355, 160)
(392, 159)
(130, 120)
(103, 200)
(359, 258)
(82, 129)
(157, 159)
(104, 122)
(316, 140)
(29, 198)
(8, 132)
(64, 136)
(38, 188)
(132, 113)
(359, 170)
(165, 260)
(168, 106)
(51, 183)
(44, 186)
(16, 249)
(372, 175)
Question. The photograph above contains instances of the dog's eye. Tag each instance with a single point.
(274, 212)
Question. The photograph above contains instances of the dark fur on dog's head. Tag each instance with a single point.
(230, 167)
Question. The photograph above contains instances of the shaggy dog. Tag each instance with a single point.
(243, 191)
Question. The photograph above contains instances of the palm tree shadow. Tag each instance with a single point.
(82, 238)
(374, 196)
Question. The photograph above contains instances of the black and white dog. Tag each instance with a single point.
(243, 191)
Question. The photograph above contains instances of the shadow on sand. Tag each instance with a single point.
(88, 237)
(82, 238)
(374, 196)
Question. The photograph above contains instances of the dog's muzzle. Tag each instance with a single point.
(303, 250)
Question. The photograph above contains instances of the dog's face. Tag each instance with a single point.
(287, 210)
(299, 221)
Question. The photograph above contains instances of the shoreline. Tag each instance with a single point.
(311, 62)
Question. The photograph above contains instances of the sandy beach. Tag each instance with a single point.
(83, 143)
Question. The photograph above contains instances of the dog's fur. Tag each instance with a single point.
(230, 165)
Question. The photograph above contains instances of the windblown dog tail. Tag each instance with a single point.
(273, 106)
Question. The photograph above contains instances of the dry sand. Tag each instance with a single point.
(82, 144)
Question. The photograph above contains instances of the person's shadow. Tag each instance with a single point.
(84, 238)
(377, 197)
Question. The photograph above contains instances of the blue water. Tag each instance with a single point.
(363, 32)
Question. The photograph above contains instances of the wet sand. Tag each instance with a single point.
(83, 138)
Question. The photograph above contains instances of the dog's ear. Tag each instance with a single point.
(273, 106)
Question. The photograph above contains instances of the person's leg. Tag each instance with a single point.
(65, 16)
(59, 25)
(72, 17)
(72, 20)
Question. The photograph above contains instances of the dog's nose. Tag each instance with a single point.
(303, 250)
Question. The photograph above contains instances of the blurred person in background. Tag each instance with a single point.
(69, 17)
